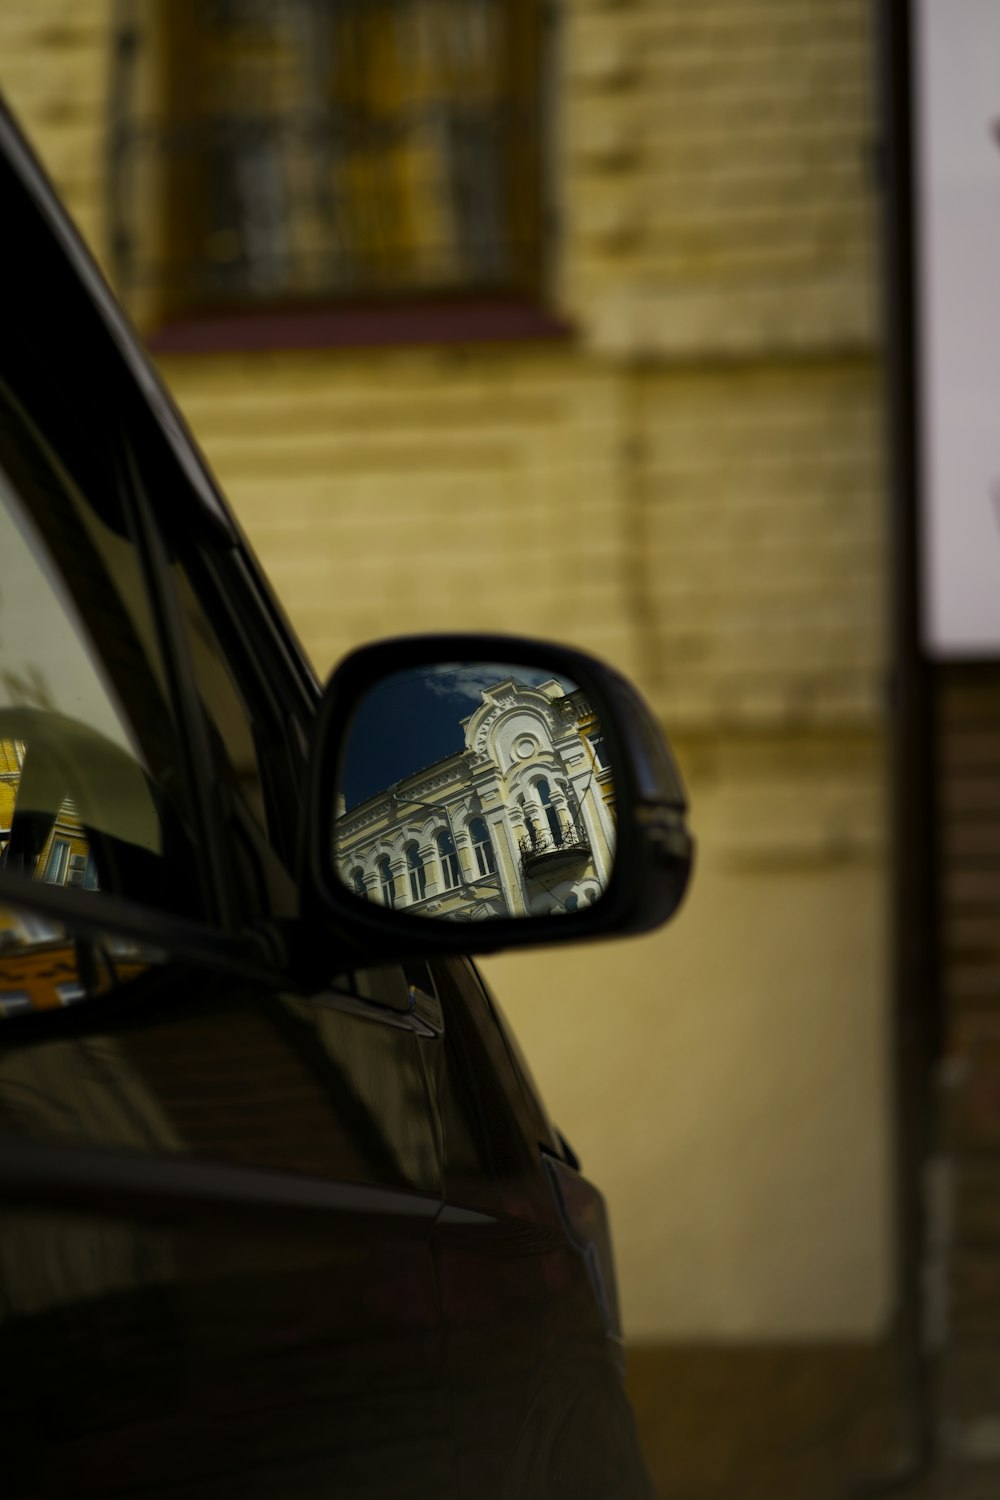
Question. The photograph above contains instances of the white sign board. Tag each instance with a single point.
(957, 181)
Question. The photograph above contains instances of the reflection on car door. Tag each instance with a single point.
(217, 1256)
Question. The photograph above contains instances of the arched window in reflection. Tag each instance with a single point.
(572, 901)
(358, 881)
(551, 816)
(387, 883)
(530, 823)
(449, 860)
(482, 845)
(418, 875)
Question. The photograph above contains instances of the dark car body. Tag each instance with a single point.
(267, 1227)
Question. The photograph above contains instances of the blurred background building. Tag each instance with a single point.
(562, 319)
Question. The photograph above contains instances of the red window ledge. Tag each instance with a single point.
(359, 327)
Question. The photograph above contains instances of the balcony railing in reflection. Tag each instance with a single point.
(543, 851)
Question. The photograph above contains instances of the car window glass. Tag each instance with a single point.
(45, 662)
(233, 742)
(90, 788)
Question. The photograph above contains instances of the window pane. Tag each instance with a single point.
(449, 861)
(89, 778)
(269, 149)
(418, 876)
(232, 743)
(600, 749)
(482, 844)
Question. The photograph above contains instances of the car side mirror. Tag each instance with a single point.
(470, 793)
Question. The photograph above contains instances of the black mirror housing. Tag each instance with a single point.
(640, 884)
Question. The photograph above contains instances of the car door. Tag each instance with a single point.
(532, 1358)
(214, 1248)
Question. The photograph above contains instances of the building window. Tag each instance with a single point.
(572, 807)
(387, 883)
(418, 875)
(449, 861)
(358, 882)
(599, 749)
(78, 869)
(55, 871)
(286, 151)
(551, 816)
(482, 846)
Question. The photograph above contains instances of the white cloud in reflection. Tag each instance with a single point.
(469, 680)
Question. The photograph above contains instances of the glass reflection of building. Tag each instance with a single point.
(40, 965)
(519, 821)
(65, 857)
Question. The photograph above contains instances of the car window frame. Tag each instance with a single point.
(260, 661)
(83, 376)
(218, 905)
(253, 873)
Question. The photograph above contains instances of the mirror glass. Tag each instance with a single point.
(475, 790)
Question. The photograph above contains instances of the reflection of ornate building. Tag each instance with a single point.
(11, 760)
(521, 820)
(64, 857)
(39, 963)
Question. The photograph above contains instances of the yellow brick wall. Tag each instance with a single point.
(54, 73)
(692, 487)
(717, 532)
(716, 187)
(432, 487)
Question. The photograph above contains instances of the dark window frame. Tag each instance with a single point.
(451, 870)
(482, 847)
(485, 281)
(416, 869)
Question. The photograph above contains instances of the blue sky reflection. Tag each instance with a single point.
(412, 719)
